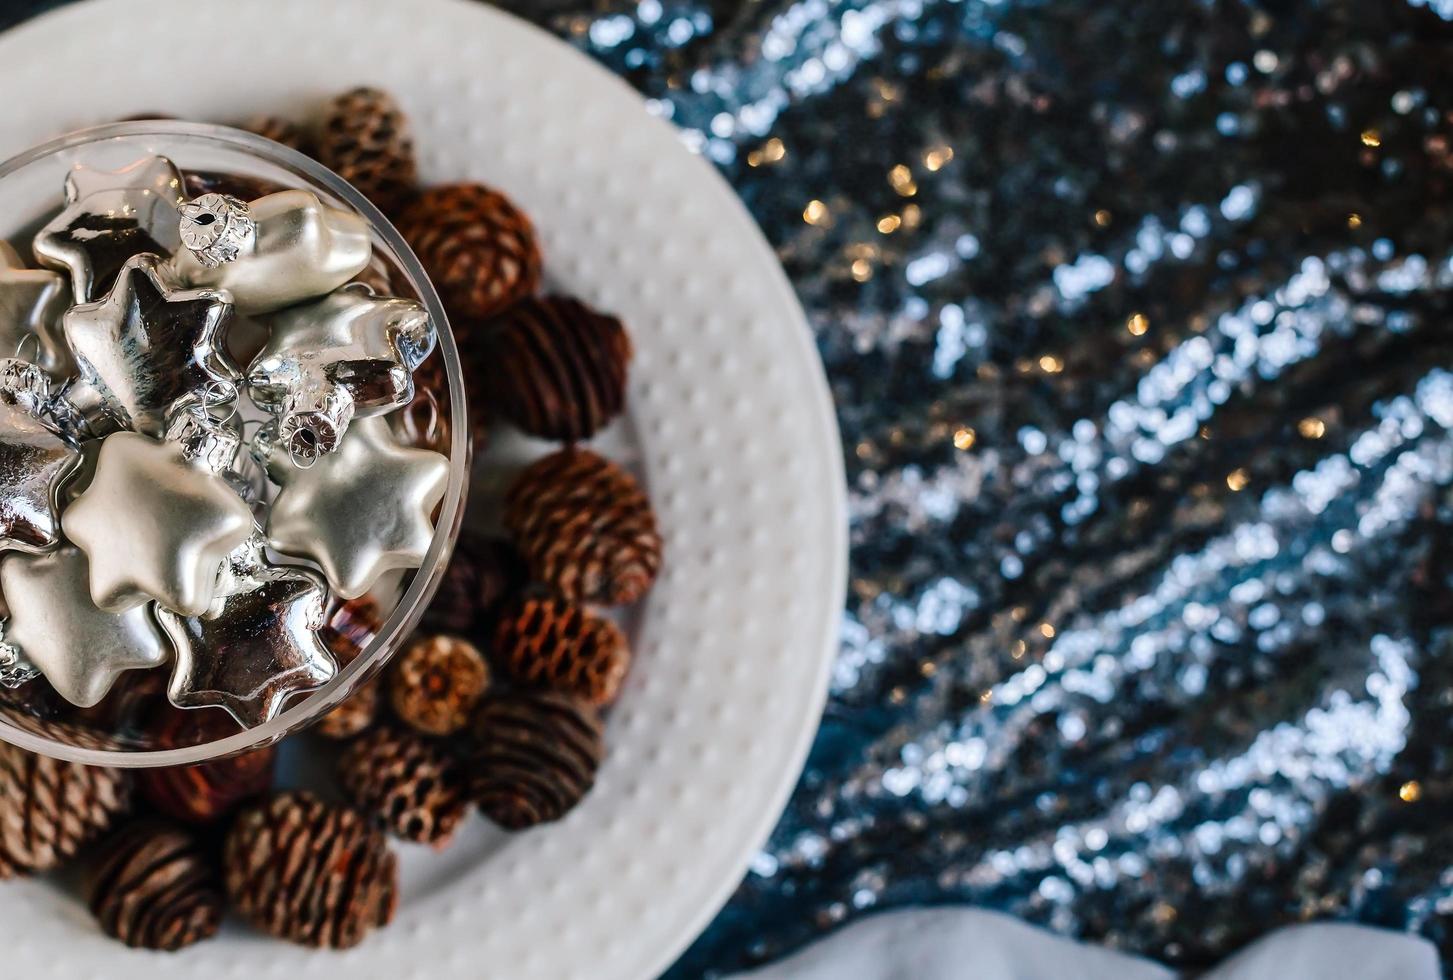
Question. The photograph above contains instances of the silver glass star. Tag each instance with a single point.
(156, 525)
(349, 354)
(257, 644)
(299, 248)
(31, 304)
(79, 648)
(361, 511)
(147, 345)
(110, 217)
(34, 461)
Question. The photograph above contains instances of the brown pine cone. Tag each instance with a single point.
(549, 643)
(154, 888)
(585, 528)
(279, 130)
(310, 872)
(436, 682)
(535, 757)
(479, 249)
(351, 627)
(209, 791)
(353, 716)
(556, 368)
(411, 785)
(50, 808)
(366, 141)
(482, 574)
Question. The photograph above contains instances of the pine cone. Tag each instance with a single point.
(309, 872)
(585, 528)
(50, 808)
(207, 792)
(483, 573)
(353, 716)
(407, 782)
(351, 627)
(154, 888)
(280, 130)
(436, 682)
(366, 141)
(479, 249)
(549, 643)
(536, 757)
(557, 368)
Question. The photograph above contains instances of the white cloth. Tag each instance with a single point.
(972, 944)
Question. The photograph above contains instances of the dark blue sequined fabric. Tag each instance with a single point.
(1137, 316)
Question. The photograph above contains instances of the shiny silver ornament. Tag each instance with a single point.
(34, 460)
(300, 248)
(362, 511)
(159, 518)
(15, 669)
(109, 218)
(79, 648)
(148, 345)
(257, 645)
(31, 304)
(216, 228)
(350, 354)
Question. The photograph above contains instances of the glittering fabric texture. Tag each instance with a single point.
(1137, 316)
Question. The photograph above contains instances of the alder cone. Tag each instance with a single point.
(585, 527)
(351, 627)
(280, 130)
(547, 642)
(557, 368)
(154, 888)
(483, 573)
(366, 140)
(406, 782)
(354, 716)
(310, 872)
(479, 249)
(49, 809)
(206, 792)
(436, 682)
(535, 758)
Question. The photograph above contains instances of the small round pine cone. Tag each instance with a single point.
(154, 888)
(556, 368)
(549, 643)
(49, 809)
(483, 573)
(209, 791)
(410, 784)
(535, 757)
(354, 716)
(366, 141)
(280, 130)
(585, 527)
(436, 682)
(352, 625)
(310, 872)
(479, 249)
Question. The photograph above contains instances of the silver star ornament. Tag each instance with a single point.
(34, 461)
(362, 511)
(158, 521)
(109, 218)
(297, 248)
(257, 645)
(79, 648)
(148, 345)
(31, 304)
(350, 354)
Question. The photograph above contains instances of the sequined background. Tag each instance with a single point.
(1137, 320)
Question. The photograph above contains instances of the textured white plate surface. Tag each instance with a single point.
(730, 423)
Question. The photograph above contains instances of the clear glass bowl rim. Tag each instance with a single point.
(426, 579)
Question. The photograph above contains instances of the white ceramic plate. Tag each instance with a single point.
(730, 423)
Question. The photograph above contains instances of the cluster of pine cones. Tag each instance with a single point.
(496, 705)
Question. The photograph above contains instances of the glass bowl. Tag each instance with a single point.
(121, 731)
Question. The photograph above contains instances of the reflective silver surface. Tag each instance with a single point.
(256, 645)
(147, 344)
(302, 248)
(215, 228)
(348, 354)
(31, 304)
(79, 648)
(361, 511)
(155, 526)
(110, 217)
(34, 461)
